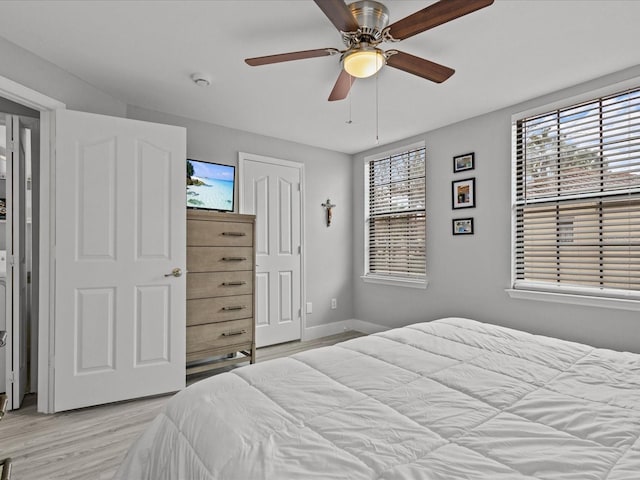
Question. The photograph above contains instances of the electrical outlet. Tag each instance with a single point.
(334, 303)
(309, 307)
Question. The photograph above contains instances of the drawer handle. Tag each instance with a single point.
(233, 284)
(234, 307)
(234, 259)
(231, 334)
(234, 234)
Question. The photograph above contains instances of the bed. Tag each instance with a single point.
(444, 400)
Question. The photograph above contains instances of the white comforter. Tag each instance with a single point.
(446, 400)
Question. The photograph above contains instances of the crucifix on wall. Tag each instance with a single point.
(328, 206)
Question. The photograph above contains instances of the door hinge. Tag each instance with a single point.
(11, 377)
(12, 146)
(299, 249)
(299, 187)
(11, 260)
(299, 313)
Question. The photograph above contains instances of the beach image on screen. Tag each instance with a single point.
(209, 185)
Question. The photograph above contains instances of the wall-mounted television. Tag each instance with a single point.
(210, 186)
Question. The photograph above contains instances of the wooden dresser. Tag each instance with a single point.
(220, 289)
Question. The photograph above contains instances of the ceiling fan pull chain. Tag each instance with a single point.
(350, 121)
(377, 111)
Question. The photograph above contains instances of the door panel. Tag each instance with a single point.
(16, 280)
(285, 294)
(271, 192)
(152, 328)
(20, 318)
(119, 320)
(258, 200)
(285, 220)
(96, 208)
(262, 300)
(153, 181)
(95, 330)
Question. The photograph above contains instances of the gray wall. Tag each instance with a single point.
(468, 275)
(329, 266)
(328, 257)
(27, 69)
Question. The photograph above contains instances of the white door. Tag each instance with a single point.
(16, 275)
(270, 189)
(120, 231)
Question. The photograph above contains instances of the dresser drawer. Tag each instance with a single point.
(203, 232)
(219, 309)
(219, 259)
(218, 336)
(219, 284)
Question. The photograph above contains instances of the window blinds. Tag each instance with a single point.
(577, 204)
(396, 215)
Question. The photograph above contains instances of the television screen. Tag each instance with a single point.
(210, 186)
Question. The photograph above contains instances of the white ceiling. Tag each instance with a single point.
(143, 53)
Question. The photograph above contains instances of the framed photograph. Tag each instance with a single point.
(463, 193)
(462, 226)
(464, 162)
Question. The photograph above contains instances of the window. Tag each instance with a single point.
(577, 198)
(395, 216)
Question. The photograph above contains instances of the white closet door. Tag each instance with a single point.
(16, 280)
(120, 231)
(271, 191)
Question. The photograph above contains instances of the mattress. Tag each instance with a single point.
(444, 400)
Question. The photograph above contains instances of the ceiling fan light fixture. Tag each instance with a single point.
(363, 62)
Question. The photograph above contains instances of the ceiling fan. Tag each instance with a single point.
(364, 25)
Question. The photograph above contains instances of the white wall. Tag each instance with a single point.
(327, 174)
(34, 72)
(468, 275)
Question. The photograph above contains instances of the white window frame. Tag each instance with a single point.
(587, 296)
(388, 279)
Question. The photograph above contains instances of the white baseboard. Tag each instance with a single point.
(367, 327)
(328, 329)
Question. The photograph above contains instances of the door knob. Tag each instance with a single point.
(176, 272)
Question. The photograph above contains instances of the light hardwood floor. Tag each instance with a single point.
(90, 443)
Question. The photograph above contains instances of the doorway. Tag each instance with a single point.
(19, 165)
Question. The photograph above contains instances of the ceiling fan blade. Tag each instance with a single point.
(436, 14)
(339, 14)
(420, 67)
(287, 57)
(342, 87)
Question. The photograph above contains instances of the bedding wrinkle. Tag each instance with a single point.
(523, 394)
(452, 399)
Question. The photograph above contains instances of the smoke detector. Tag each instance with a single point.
(201, 79)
